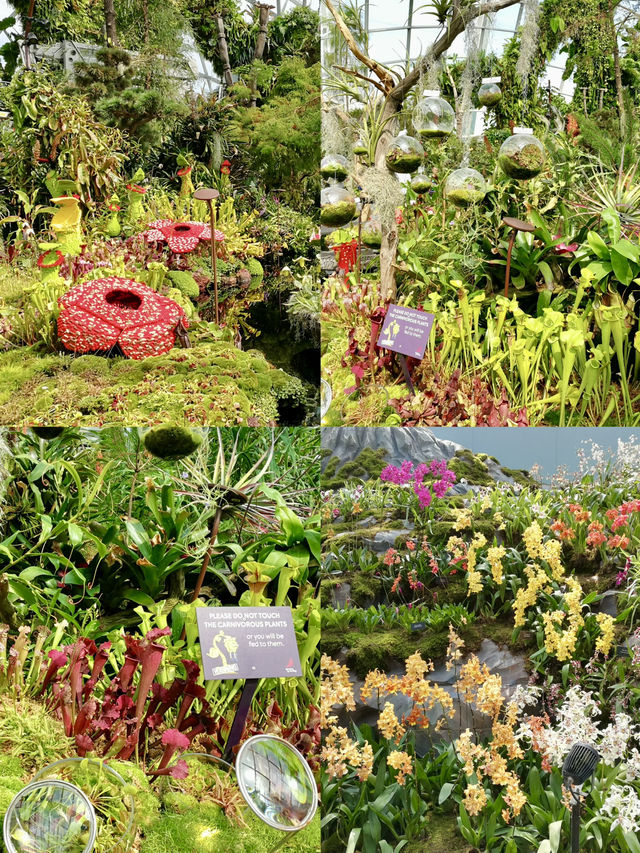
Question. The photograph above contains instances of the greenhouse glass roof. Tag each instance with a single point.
(399, 33)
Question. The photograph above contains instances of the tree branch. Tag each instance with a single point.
(456, 26)
(355, 73)
(379, 70)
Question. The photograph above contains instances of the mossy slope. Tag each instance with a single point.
(211, 383)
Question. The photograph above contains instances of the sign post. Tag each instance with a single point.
(250, 643)
(406, 331)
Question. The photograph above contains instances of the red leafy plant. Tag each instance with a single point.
(456, 400)
(127, 714)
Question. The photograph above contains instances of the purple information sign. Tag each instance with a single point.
(406, 331)
(248, 642)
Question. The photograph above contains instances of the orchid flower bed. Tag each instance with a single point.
(469, 640)
(122, 535)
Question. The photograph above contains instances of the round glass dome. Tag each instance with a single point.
(372, 234)
(522, 155)
(433, 117)
(404, 154)
(338, 206)
(490, 93)
(276, 782)
(50, 816)
(108, 794)
(464, 187)
(334, 166)
(421, 183)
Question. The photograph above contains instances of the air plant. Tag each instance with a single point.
(622, 195)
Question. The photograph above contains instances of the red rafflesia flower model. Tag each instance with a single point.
(181, 237)
(99, 314)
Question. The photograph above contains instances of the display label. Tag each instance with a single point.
(248, 642)
(406, 331)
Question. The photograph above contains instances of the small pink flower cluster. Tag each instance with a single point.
(445, 478)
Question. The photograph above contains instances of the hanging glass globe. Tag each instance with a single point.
(433, 117)
(421, 183)
(334, 166)
(464, 187)
(360, 147)
(372, 234)
(404, 154)
(490, 93)
(338, 206)
(522, 155)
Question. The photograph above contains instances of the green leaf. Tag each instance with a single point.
(555, 830)
(34, 572)
(621, 268)
(76, 535)
(354, 836)
(627, 250)
(314, 541)
(632, 842)
(545, 269)
(597, 245)
(139, 597)
(292, 526)
(445, 792)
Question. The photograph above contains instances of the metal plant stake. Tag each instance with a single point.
(209, 195)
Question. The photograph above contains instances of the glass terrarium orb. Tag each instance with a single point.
(464, 187)
(421, 183)
(490, 93)
(522, 155)
(334, 166)
(50, 816)
(338, 206)
(360, 147)
(404, 154)
(433, 117)
(107, 792)
(372, 234)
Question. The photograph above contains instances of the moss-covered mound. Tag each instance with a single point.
(172, 442)
(211, 383)
(367, 465)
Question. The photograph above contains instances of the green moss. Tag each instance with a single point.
(442, 836)
(205, 829)
(184, 282)
(211, 383)
(31, 735)
(171, 442)
(255, 267)
(368, 464)
(440, 531)
(466, 465)
(365, 588)
(90, 363)
(520, 475)
(375, 651)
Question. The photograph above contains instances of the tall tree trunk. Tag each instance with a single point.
(261, 43)
(110, 23)
(389, 233)
(223, 50)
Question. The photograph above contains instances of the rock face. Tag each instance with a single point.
(500, 661)
(418, 444)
